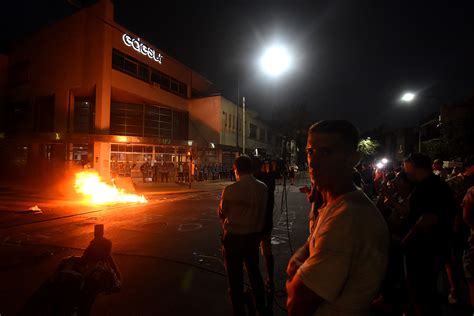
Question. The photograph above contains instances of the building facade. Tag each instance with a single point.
(216, 127)
(86, 90)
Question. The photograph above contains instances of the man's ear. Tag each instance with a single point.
(353, 159)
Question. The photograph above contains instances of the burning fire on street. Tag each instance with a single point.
(96, 191)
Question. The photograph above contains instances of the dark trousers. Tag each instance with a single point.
(422, 270)
(164, 176)
(239, 250)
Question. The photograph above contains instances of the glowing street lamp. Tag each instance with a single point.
(408, 97)
(275, 60)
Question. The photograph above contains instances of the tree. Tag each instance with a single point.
(368, 146)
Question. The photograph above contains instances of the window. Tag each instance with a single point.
(133, 67)
(225, 119)
(143, 73)
(126, 119)
(130, 67)
(174, 86)
(261, 135)
(183, 89)
(165, 82)
(118, 61)
(155, 77)
(148, 120)
(83, 116)
(253, 131)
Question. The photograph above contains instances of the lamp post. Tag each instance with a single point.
(274, 61)
(409, 97)
(243, 125)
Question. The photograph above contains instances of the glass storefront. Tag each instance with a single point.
(126, 159)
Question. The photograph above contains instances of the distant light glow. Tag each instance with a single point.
(384, 160)
(275, 60)
(408, 97)
(379, 165)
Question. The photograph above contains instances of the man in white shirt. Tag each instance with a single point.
(341, 266)
(242, 211)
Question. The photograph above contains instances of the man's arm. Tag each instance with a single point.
(298, 258)
(423, 224)
(221, 211)
(301, 300)
(468, 208)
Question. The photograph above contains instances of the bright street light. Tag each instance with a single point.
(384, 160)
(275, 60)
(408, 97)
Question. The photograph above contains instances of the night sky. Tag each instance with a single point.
(352, 59)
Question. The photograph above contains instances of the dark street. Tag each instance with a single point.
(168, 252)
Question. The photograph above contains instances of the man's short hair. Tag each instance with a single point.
(419, 161)
(257, 164)
(243, 165)
(99, 230)
(343, 128)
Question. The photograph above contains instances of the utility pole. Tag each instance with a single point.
(243, 125)
(238, 119)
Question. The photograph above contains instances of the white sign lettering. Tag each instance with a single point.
(141, 48)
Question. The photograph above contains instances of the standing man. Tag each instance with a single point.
(264, 175)
(426, 245)
(438, 169)
(242, 211)
(145, 170)
(341, 266)
(459, 184)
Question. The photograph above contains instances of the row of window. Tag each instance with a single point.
(230, 123)
(129, 65)
(147, 121)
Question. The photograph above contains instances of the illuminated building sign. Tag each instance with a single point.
(141, 48)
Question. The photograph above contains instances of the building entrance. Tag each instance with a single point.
(126, 159)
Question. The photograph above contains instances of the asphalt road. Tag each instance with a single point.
(168, 252)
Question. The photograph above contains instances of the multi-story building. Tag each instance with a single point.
(216, 127)
(86, 89)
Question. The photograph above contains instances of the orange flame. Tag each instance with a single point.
(96, 191)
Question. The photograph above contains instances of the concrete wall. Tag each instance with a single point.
(210, 121)
(230, 129)
(205, 122)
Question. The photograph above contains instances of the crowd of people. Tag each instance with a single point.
(428, 211)
(379, 238)
(183, 172)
